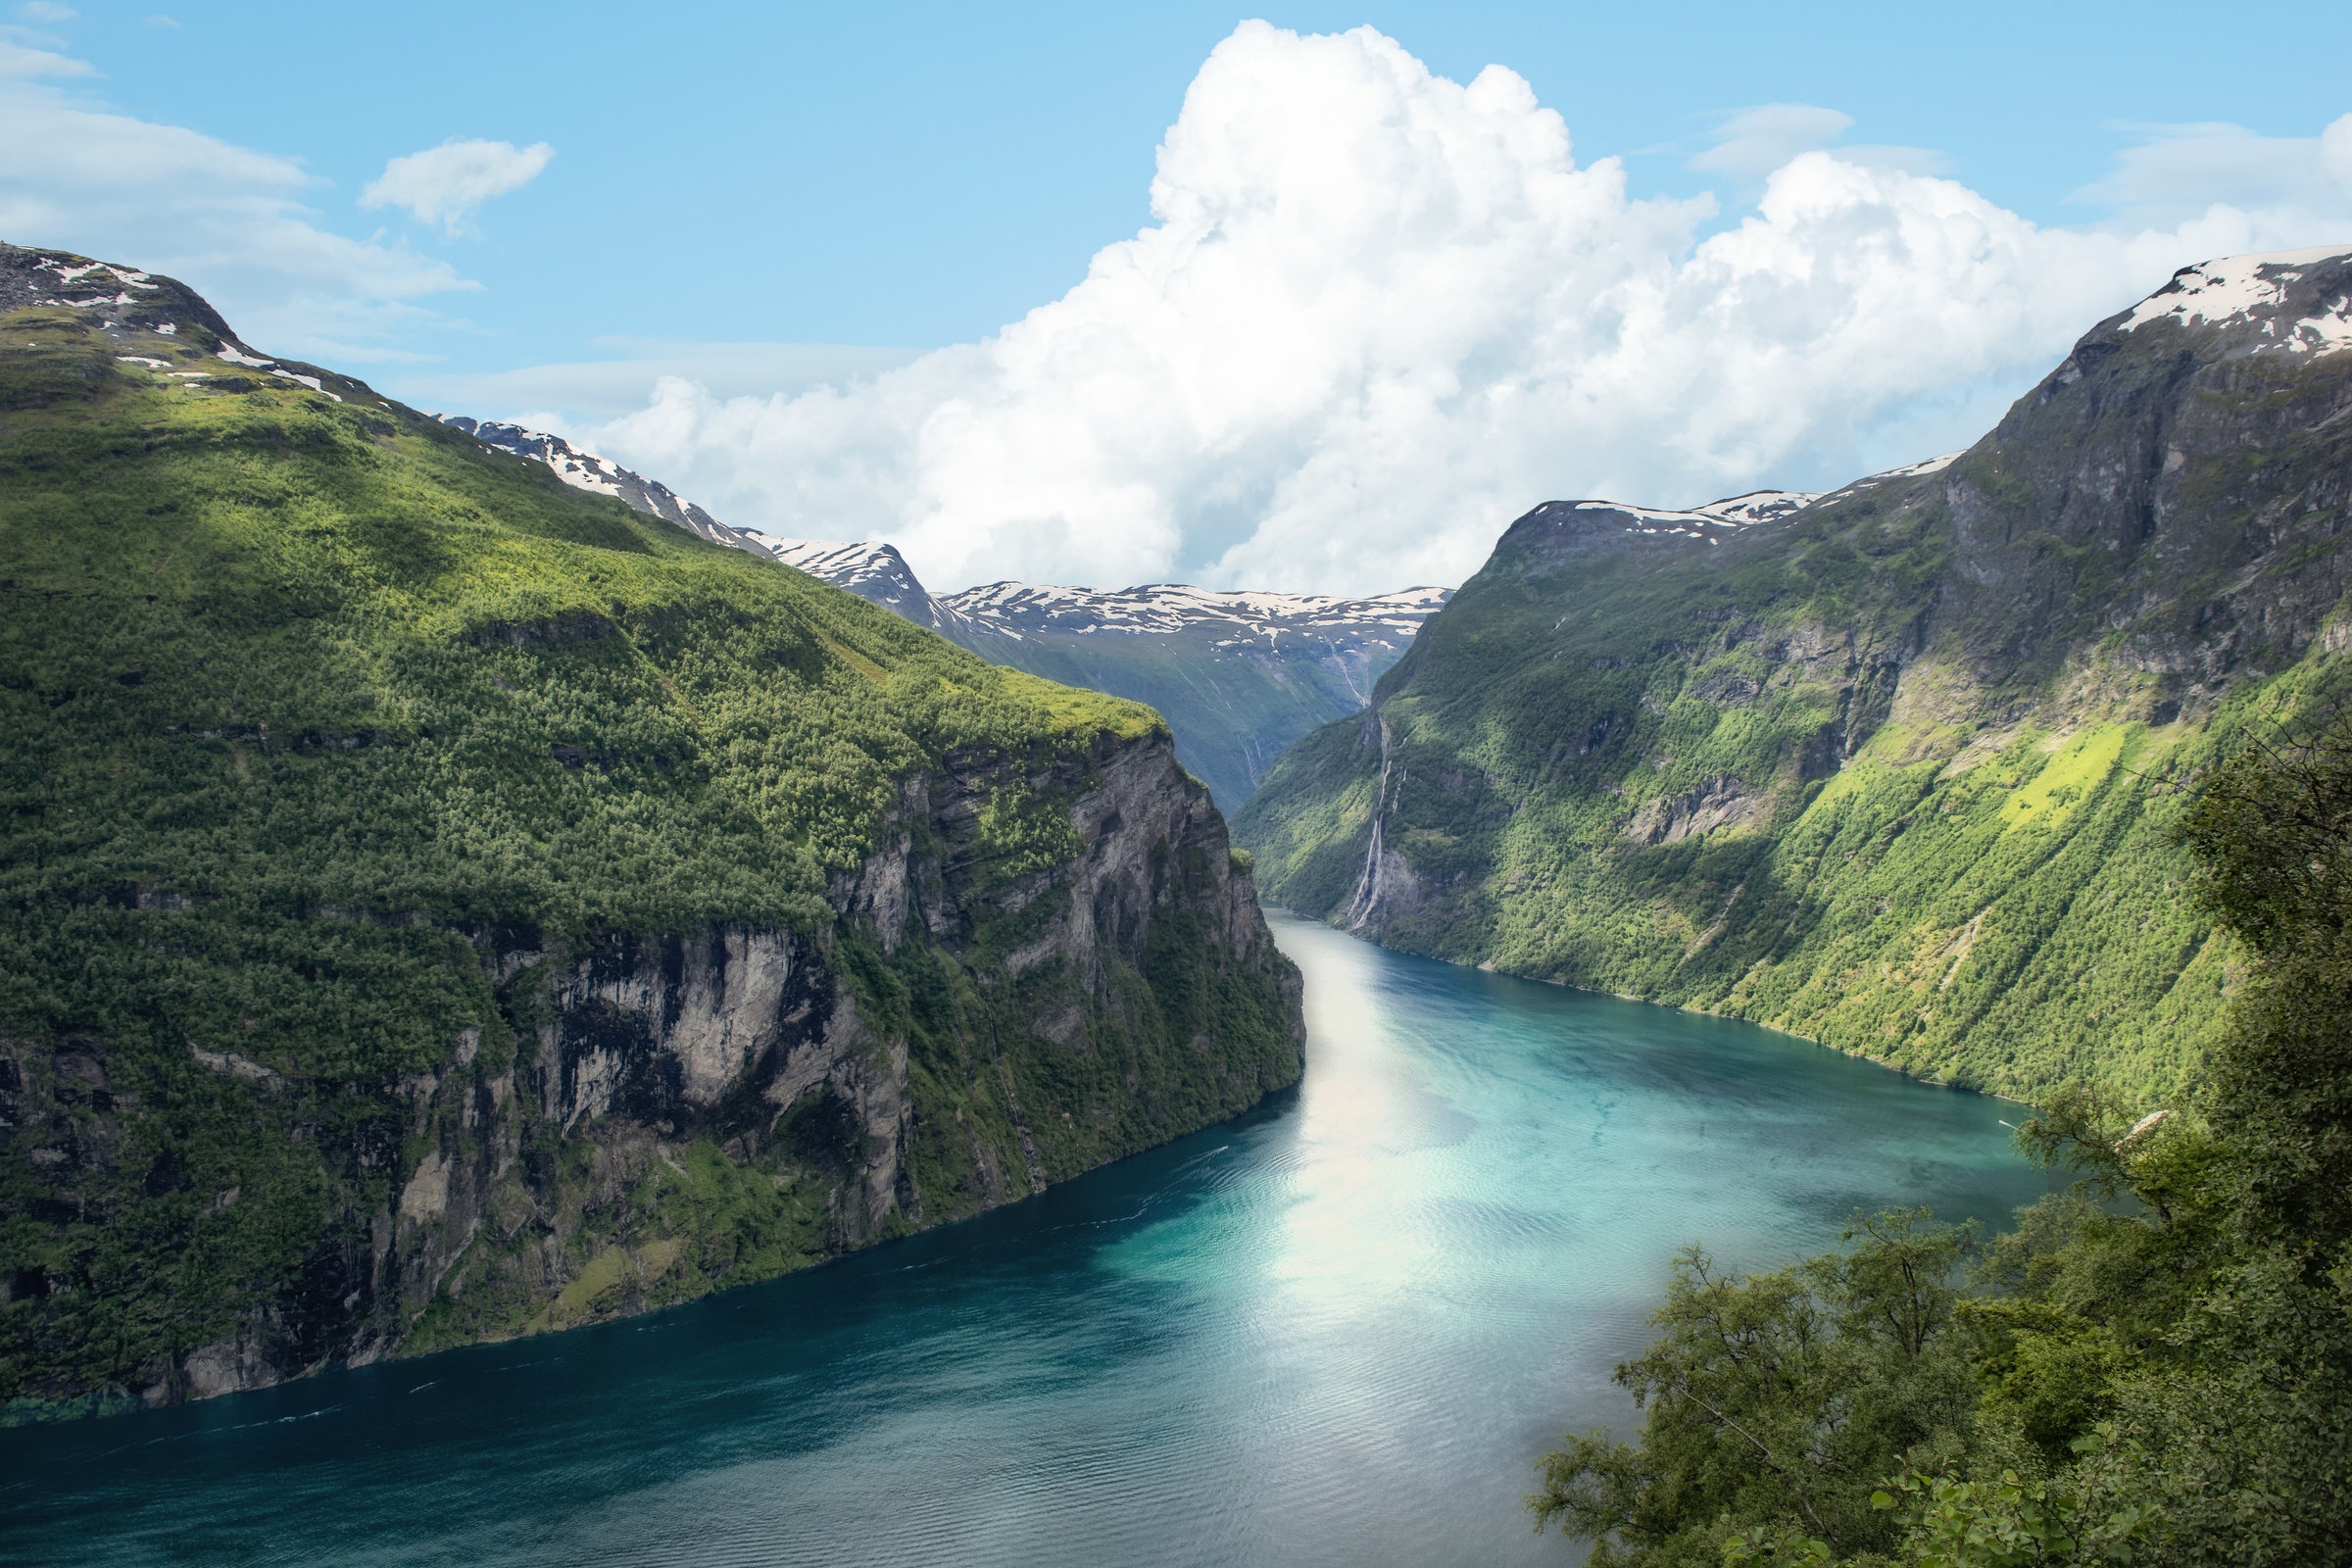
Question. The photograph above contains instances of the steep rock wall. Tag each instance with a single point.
(645, 1118)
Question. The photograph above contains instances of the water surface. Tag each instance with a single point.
(1339, 1331)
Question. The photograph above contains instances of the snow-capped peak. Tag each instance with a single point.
(1242, 616)
(585, 470)
(2257, 290)
(870, 569)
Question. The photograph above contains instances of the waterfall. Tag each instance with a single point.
(1367, 902)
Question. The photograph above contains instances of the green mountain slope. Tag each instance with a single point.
(1899, 772)
(437, 903)
(1238, 676)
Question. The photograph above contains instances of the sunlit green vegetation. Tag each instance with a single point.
(1697, 779)
(2154, 1367)
(311, 705)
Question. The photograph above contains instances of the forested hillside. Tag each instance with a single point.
(440, 904)
(1238, 676)
(2152, 1369)
(1897, 773)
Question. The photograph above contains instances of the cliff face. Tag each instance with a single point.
(677, 1114)
(443, 904)
(1896, 769)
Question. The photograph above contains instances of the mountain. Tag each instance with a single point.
(1896, 770)
(441, 902)
(585, 470)
(1238, 676)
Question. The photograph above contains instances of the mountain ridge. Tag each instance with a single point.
(443, 903)
(1214, 663)
(1894, 770)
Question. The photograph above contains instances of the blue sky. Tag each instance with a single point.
(921, 174)
(917, 177)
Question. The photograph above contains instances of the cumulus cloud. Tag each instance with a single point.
(228, 220)
(444, 183)
(1379, 312)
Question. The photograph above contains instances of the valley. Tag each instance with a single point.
(464, 892)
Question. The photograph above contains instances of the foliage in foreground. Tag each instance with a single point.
(2154, 1367)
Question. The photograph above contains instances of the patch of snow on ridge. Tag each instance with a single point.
(1759, 505)
(1702, 524)
(586, 470)
(2252, 288)
(872, 570)
(1909, 470)
(1244, 615)
(1931, 466)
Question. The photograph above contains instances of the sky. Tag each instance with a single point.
(1315, 299)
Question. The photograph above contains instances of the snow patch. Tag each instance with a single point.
(2253, 289)
(1931, 466)
(1759, 505)
(1234, 615)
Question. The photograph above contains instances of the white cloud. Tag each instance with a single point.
(2185, 170)
(600, 389)
(47, 11)
(2335, 152)
(1757, 141)
(443, 184)
(1380, 314)
(226, 220)
(20, 63)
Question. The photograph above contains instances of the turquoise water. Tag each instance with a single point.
(1338, 1331)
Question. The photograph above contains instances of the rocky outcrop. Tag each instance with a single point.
(648, 1116)
(1717, 802)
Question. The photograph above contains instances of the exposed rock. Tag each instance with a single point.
(558, 1176)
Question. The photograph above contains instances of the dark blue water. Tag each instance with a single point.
(1339, 1331)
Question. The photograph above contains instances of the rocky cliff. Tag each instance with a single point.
(648, 1116)
(442, 902)
(1894, 768)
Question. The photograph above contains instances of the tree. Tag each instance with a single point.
(2154, 1368)
(1777, 1399)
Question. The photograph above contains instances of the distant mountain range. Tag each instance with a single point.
(1238, 676)
(1893, 767)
